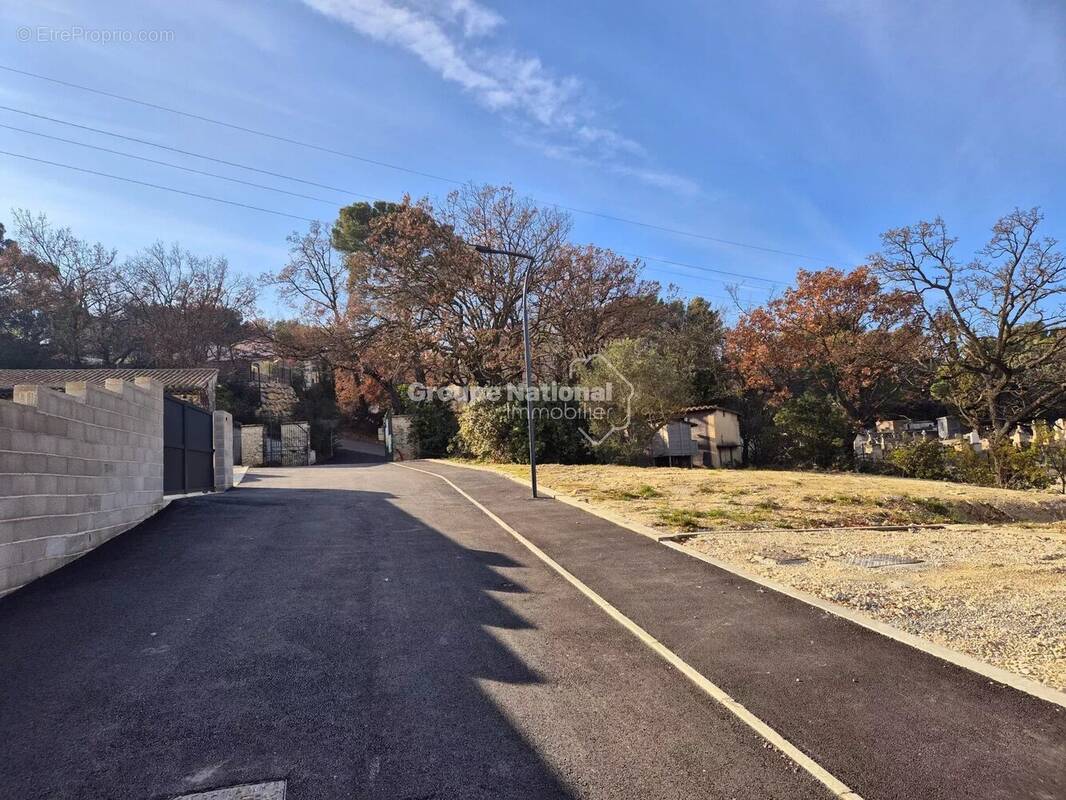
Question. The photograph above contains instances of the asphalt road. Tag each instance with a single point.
(886, 719)
(358, 631)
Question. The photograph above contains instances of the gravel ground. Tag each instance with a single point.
(994, 592)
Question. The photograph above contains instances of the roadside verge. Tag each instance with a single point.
(1002, 676)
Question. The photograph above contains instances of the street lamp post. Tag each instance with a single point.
(529, 358)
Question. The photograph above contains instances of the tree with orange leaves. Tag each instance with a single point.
(412, 300)
(836, 334)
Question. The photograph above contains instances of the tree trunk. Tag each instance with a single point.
(996, 453)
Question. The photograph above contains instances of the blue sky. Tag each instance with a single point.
(807, 127)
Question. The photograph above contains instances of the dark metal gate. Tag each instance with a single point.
(286, 444)
(238, 444)
(188, 449)
(272, 449)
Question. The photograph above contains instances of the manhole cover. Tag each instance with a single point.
(275, 790)
(880, 560)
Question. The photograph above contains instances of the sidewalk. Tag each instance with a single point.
(888, 720)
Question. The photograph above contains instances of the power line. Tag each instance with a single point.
(690, 233)
(701, 268)
(171, 165)
(199, 196)
(189, 153)
(353, 156)
(230, 125)
(698, 278)
(283, 176)
(157, 186)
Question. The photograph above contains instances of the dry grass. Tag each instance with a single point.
(997, 593)
(693, 499)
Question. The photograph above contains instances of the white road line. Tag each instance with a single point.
(836, 786)
(959, 659)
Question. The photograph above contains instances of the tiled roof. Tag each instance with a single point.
(695, 409)
(177, 378)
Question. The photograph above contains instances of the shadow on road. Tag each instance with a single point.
(353, 451)
(322, 636)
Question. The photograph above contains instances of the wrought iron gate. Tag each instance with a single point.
(286, 444)
(188, 449)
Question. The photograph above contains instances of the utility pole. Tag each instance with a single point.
(529, 357)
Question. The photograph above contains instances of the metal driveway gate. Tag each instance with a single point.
(286, 444)
(188, 449)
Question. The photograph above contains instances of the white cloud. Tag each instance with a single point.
(659, 178)
(477, 19)
(608, 138)
(416, 32)
(452, 38)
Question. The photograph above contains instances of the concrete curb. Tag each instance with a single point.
(1005, 677)
(170, 498)
(683, 537)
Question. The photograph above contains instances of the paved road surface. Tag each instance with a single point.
(360, 632)
(886, 719)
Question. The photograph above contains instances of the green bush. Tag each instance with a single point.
(1053, 457)
(485, 432)
(239, 398)
(1023, 468)
(1020, 468)
(649, 386)
(813, 431)
(868, 466)
(921, 458)
(966, 466)
(435, 425)
(496, 431)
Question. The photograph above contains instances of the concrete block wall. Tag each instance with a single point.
(76, 469)
(223, 441)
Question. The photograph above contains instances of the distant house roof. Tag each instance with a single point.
(697, 409)
(179, 378)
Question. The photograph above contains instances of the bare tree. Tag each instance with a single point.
(77, 289)
(315, 279)
(314, 282)
(414, 300)
(998, 321)
(187, 309)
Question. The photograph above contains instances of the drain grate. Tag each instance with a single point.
(275, 790)
(880, 560)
